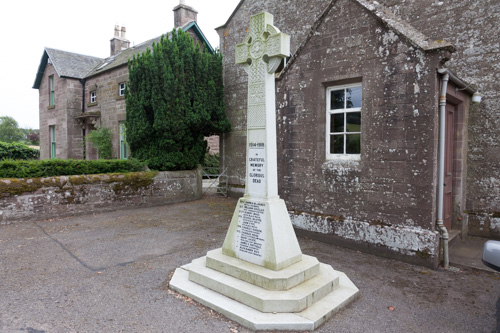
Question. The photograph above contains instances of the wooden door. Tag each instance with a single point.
(448, 165)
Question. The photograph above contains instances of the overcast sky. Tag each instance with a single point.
(86, 27)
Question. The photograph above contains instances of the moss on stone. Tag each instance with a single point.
(423, 254)
(131, 181)
(134, 181)
(15, 186)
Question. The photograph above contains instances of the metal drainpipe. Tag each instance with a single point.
(442, 134)
(82, 81)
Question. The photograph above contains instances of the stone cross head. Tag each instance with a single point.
(263, 43)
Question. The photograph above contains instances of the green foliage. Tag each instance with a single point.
(211, 163)
(9, 130)
(18, 151)
(55, 167)
(175, 97)
(32, 136)
(101, 138)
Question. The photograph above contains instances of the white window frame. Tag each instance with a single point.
(93, 97)
(329, 112)
(121, 89)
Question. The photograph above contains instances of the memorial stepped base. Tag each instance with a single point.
(299, 297)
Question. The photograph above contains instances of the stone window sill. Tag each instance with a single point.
(92, 104)
(345, 164)
(120, 97)
(51, 107)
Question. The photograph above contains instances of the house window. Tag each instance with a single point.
(52, 134)
(343, 122)
(52, 95)
(93, 97)
(123, 141)
(121, 89)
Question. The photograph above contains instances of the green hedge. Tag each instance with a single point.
(18, 151)
(49, 168)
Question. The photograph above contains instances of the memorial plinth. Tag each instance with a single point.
(259, 277)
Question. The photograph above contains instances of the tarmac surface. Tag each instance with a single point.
(109, 272)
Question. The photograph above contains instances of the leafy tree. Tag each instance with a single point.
(9, 130)
(101, 139)
(175, 97)
(34, 137)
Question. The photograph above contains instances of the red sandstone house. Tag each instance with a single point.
(358, 120)
(79, 93)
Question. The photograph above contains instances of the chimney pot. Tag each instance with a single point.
(117, 29)
(124, 30)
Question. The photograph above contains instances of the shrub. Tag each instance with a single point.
(49, 168)
(175, 98)
(18, 151)
(101, 139)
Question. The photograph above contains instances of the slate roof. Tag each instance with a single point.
(66, 64)
(78, 66)
(123, 57)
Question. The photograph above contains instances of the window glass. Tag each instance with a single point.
(122, 89)
(337, 99)
(52, 134)
(353, 122)
(123, 142)
(353, 143)
(353, 97)
(337, 144)
(52, 100)
(344, 122)
(337, 124)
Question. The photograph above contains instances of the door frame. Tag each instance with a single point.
(460, 100)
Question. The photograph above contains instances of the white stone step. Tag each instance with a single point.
(284, 279)
(292, 300)
(309, 319)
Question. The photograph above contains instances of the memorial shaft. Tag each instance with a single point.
(261, 53)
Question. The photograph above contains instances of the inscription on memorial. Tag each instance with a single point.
(251, 226)
(256, 168)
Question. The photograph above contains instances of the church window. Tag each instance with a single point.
(343, 122)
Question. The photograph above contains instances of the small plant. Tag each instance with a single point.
(101, 139)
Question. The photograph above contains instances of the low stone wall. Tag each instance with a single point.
(55, 197)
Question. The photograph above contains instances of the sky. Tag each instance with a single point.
(28, 26)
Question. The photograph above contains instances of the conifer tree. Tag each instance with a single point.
(175, 97)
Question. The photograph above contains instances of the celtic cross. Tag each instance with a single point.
(261, 53)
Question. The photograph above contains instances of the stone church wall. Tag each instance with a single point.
(472, 27)
(386, 202)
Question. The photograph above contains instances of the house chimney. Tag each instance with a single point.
(119, 41)
(184, 14)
